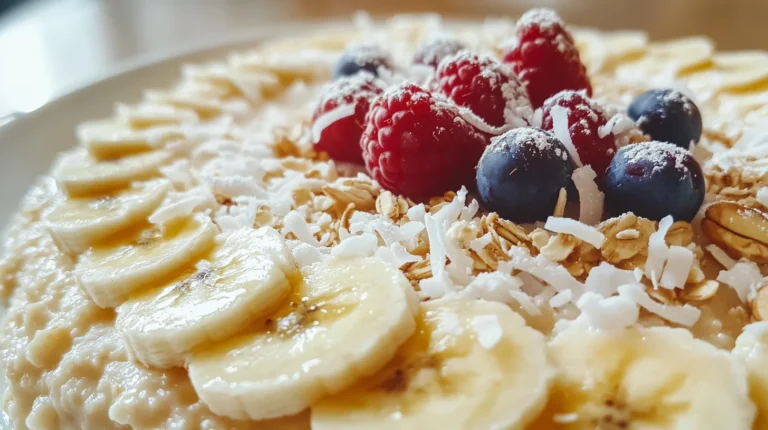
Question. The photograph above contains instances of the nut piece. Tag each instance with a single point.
(626, 245)
(559, 247)
(699, 292)
(740, 230)
(680, 233)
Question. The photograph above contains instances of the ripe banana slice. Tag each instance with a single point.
(148, 115)
(668, 60)
(78, 173)
(241, 280)
(108, 140)
(110, 271)
(77, 223)
(752, 350)
(343, 322)
(600, 50)
(202, 107)
(470, 365)
(644, 378)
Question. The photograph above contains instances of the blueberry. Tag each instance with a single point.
(521, 173)
(361, 58)
(667, 116)
(653, 180)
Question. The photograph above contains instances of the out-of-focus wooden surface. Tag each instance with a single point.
(49, 46)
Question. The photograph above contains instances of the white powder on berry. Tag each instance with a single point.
(658, 153)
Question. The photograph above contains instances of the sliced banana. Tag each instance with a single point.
(77, 223)
(343, 322)
(78, 173)
(668, 60)
(644, 378)
(732, 71)
(600, 50)
(110, 271)
(752, 350)
(202, 107)
(241, 280)
(107, 140)
(147, 115)
(470, 365)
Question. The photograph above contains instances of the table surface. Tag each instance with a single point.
(50, 46)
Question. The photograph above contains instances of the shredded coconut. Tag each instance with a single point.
(296, 224)
(329, 118)
(552, 273)
(591, 199)
(686, 315)
(721, 256)
(488, 330)
(560, 128)
(364, 245)
(607, 313)
(606, 279)
(762, 196)
(561, 299)
(679, 262)
(577, 229)
(744, 277)
(658, 251)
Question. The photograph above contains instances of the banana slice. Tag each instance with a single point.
(752, 350)
(77, 223)
(731, 72)
(242, 280)
(108, 140)
(78, 173)
(204, 108)
(600, 50)
(110, 271)
(343, 322)
(148, 115)
(470, 365)
(668, 60)
(644, 378)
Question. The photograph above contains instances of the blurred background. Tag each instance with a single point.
(50, 46)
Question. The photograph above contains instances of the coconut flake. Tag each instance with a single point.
(470, 211)
(417, 213)
(561, 299)
(306, 255)
(437, 254)
(762, 196)
(743, 277)
(686, 315)
(607, 313)
(721, 256)
(526, 302)
(478, 123)
(679, 262)
(657, 251)
(179, 204)
(591, 199)
(436, 286)
(411, 229)
(450, 212)
(577, 229)
(559, 116)
(606, 279)
(296, 224)
(488, 330)
(329, 118)
(552, 273)
(618, 124)
(364, 245)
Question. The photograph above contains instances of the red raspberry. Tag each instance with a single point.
(545, 58)
(341, 137)
(418, 145)
(584, 119)
(433, 51)
(486, 87)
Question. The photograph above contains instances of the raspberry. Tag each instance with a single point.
(417, 145)
(486, 87)
(585, 117)
(545, 58)
(341, 137)
(433, 51)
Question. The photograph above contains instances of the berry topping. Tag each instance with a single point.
(359, 58)
(433, 51)
(667, 116)
(417, 144)
(584, 119)
(521, 173)
(338, 120)
(486, 87)
(545, 58)
(653, 180)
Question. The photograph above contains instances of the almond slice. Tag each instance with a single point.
(740, 230)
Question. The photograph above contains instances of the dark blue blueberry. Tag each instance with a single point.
(653, 180)
(361, 58)
(521, 173)
(667, 116)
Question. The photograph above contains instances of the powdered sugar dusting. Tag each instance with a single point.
(658, 154)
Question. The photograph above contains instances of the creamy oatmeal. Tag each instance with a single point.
(202, 260)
